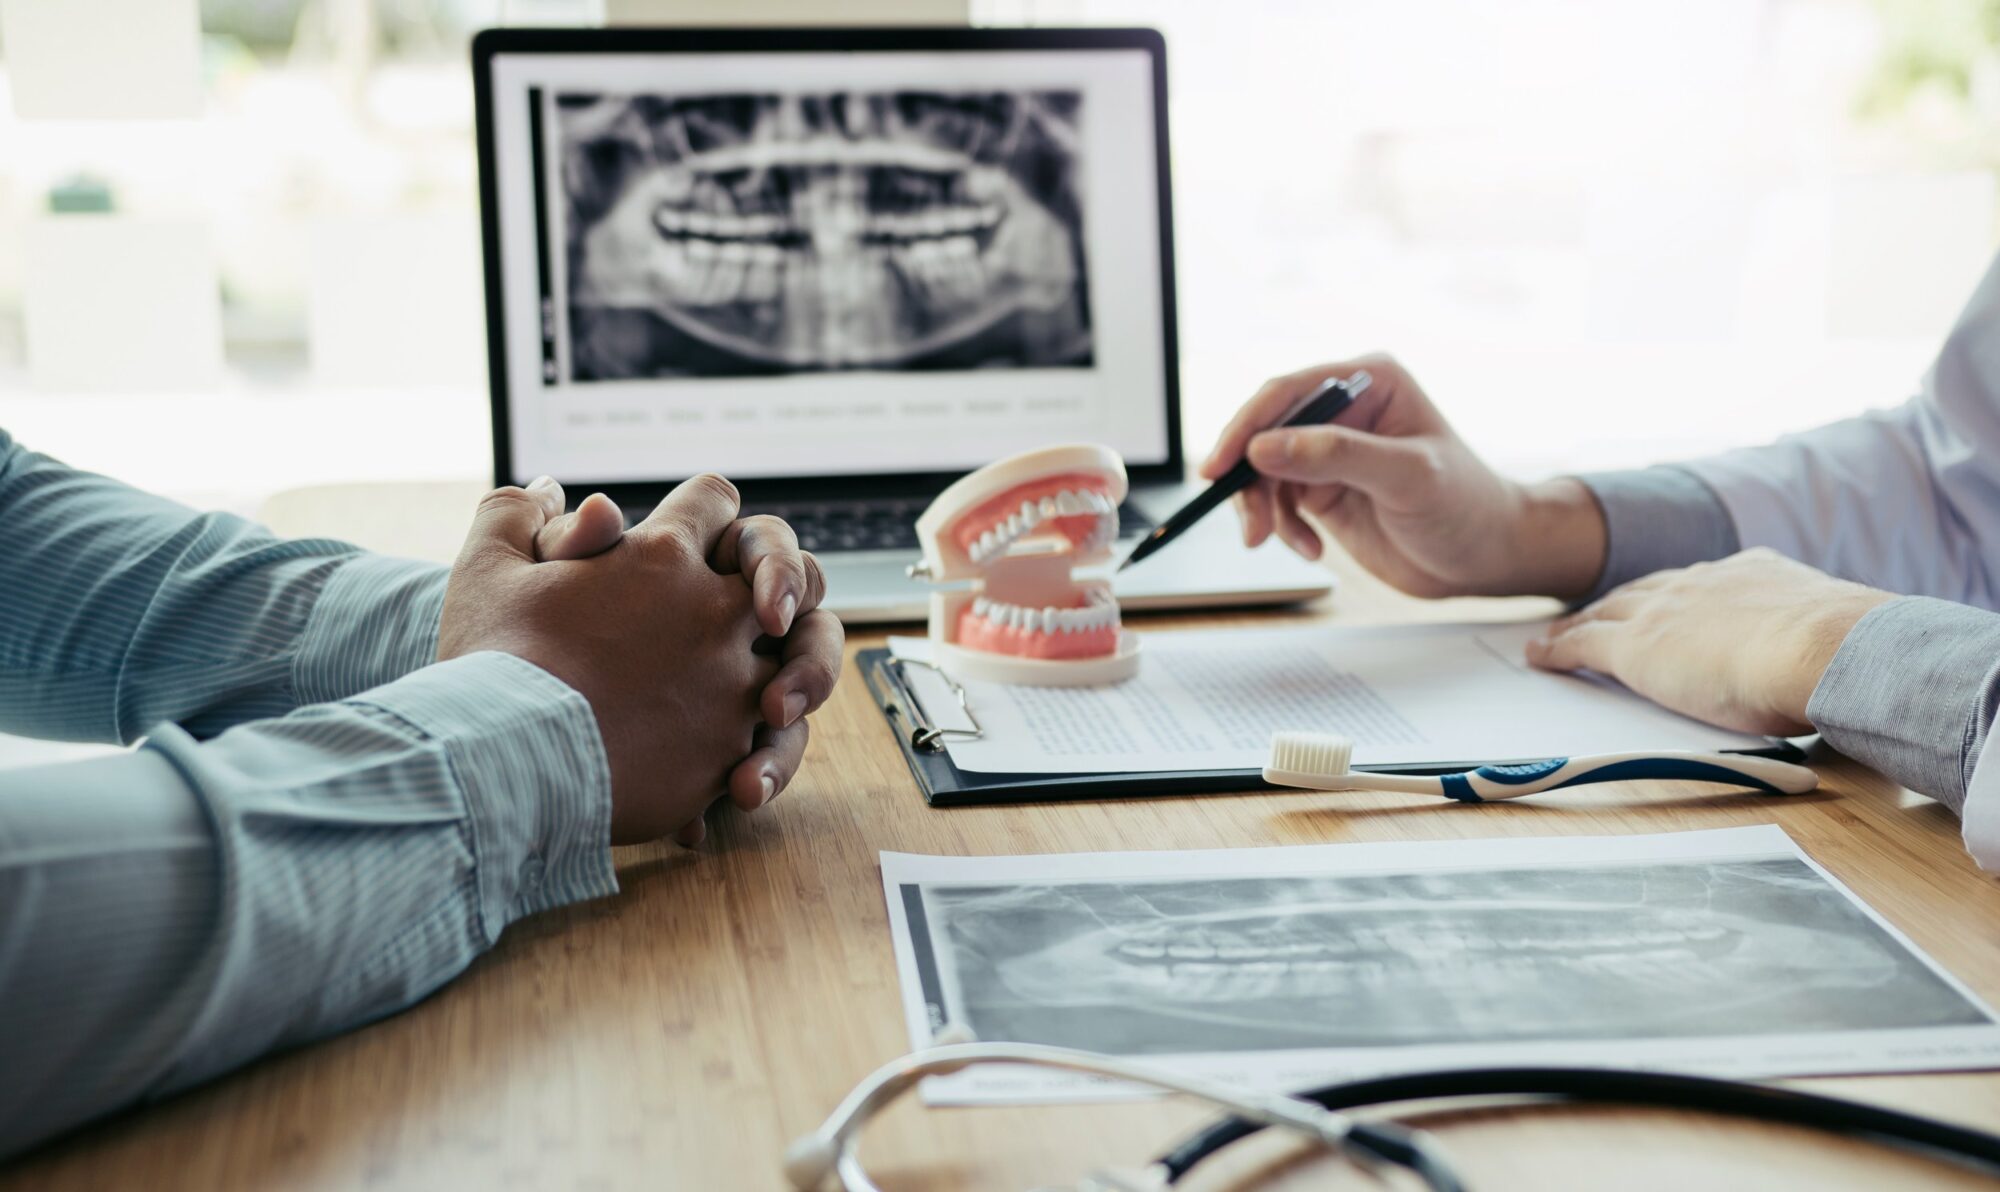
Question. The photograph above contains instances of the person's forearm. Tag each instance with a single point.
(125, 609)
(171, 913)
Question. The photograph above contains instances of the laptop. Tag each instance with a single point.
(842, 267)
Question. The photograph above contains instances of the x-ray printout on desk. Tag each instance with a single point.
(1405, 695)
(1726, 952)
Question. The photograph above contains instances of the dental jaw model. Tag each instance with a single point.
(1013, 532)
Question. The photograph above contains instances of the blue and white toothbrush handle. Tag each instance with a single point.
(1488, 783)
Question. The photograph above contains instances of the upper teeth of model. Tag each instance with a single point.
(994, 542)
(1101, 612)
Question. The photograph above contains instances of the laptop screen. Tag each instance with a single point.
(824, 262)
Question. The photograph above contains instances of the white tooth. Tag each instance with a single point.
(1066, 503)
(962, 256)
(927, 264)
(762, 281)
(1013, 525)
(1029, 514)
(700, 250)
(909, 261)
(725, 280)
(1049, 619)
(670, 219)
(701, 223)
(980, 605)
(1048, 507)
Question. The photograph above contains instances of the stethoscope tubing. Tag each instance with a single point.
(1666, 1090)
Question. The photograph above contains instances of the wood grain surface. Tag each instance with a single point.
(679, 1034)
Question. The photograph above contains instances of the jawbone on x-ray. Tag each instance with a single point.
(1228, 964)
(724, 235)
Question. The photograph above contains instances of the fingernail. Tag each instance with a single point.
(795, 707)
(788, 607)
(770, 787)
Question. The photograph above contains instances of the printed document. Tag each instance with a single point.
(1210, 700)
(1724, 953)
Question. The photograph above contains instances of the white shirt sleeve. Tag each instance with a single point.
(1905, 499)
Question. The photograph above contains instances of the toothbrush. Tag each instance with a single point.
(1318, 761)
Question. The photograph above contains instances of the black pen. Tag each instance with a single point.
(1323, 405)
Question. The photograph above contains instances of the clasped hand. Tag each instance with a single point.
(695, 636)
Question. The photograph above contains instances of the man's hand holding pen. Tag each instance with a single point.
(1741, 642)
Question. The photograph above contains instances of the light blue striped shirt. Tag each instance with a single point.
(321, 827)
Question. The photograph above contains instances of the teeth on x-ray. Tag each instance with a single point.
(721, 235)
(1653, 951)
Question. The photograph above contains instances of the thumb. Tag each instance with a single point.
(594, 528)
(507, 520)
(1378, 465)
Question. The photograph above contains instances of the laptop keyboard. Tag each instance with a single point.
(885, 524)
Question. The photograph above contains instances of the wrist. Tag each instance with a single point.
(1559, 541)
(1818, 637)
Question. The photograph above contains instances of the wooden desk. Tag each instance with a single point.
(679, 1034)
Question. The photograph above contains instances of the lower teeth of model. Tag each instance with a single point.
(1099, 614)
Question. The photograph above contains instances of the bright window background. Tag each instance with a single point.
(1603, 232)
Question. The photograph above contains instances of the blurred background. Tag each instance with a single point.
(239, 238)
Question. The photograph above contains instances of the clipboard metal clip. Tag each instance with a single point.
(924, 734)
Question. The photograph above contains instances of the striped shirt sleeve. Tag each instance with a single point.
(321, 827)
(171, 913)
(120, 610)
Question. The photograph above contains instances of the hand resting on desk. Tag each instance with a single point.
(1740, 642)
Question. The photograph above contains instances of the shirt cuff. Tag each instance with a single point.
(375, 621)
(1911, 692)
(1657, 518)
(525, 750)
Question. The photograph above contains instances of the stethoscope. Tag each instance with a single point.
(829, 1152)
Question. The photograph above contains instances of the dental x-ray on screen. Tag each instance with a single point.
(745, 234)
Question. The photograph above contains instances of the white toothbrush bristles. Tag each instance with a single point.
(1316, 761)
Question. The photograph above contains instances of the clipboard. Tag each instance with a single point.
(945, 785)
